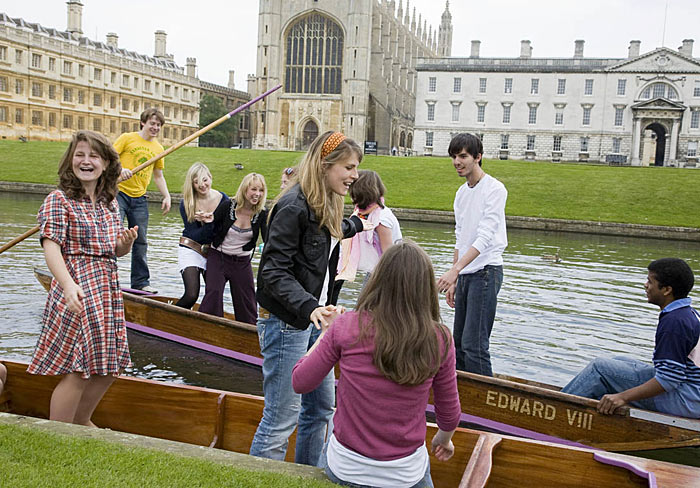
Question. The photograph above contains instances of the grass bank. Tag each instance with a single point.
(33, 458)
(638, 195)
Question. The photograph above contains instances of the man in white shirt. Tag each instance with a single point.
(474, 280)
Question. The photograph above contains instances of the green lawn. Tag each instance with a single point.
(32, 458)
(657, 196)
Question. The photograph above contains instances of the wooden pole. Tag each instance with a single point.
(170, 150)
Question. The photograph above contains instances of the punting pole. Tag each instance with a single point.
(170, 150)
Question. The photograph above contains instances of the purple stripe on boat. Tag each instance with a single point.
(140, 293)
(647, 475)
(197, 344)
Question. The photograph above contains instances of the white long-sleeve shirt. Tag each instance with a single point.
(480, 221)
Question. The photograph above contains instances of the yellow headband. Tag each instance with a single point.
(331, 143)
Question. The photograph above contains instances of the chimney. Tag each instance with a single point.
(633, 50)
(191, 67)
(113, 40)
(578, 48)
(231, 81)
(475, 49)
(160, 44)
(75, 17)
(525, 49)
(687, 48)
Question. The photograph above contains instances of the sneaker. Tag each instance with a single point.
(147, 289)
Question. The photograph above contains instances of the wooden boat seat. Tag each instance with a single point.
(478, 469)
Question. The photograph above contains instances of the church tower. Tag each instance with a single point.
(445, 33)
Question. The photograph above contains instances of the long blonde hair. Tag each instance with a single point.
(248, 180)
(326, 204)
(402, 300)
(196, 171)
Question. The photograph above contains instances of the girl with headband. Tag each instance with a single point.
(295, 279)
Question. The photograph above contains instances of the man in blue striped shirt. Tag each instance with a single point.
(672, 384)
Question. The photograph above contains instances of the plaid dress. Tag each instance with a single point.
(93, 341)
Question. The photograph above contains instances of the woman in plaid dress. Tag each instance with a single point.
(83, 337)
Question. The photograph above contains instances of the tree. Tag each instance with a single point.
(210, 109)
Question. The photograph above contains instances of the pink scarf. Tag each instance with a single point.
(350, 248)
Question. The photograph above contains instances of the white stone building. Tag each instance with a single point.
(55, 82)
(643, 109)
(346, 66)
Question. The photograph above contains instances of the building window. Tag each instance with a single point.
(113, 77)
(136, 84)
(52, 64)
(561, 86)
(97, 99)
(3, 83)
(506, 114)
(125, 104)
(584, 144)
(617, 143)
(659, 90)
(530, 143)
(586, 116)
(619, 116)
(37, 117)
(534, 86)
(480, 113)
(3, 114)
(125, 127)
(429, 139)
(97, 74)
(692, 149)
(588, 87)
(52, 119)
(136, 106)
(52, 92)
(556, 145)
(559, 117)
(113, 102)
(696, 89)
(19, 87)
(431, 111)
(81, 123)
(186, 94)
(81, 70)
(36, 60)
(695, 118)
(67, 121)
(432, 84)
(504, 142)
(455, 112)
(81, 97)
(166, 111)
(166, 89)
(112, 126)
(457, 87)
(508, 86)
(3, 57)
(18, 56)
(621, 86)
(67, 68)
(532, 115)
(482, 85)
(97, 125)
(19, 116)
(147, 85)
(314, 56)
(37, 90)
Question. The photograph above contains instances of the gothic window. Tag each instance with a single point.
(314, 56)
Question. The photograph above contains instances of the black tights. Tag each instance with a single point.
(190, 276)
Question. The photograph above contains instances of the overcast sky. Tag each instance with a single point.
(222, 34)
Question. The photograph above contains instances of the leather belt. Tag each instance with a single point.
(263, 314)
(194, 245)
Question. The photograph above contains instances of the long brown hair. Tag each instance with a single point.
(401, 298)
(327, 205)
(106, 188)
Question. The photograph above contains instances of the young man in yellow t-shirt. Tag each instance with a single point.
(135, 148)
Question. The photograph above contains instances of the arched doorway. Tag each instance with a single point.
(660, 132)
(309, 133)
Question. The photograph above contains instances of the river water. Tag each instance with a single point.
(552, 318)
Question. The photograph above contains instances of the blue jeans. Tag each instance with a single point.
(135, 209)
(282, 346)
(604, 376)
(476, 297)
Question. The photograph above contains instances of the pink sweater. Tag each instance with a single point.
(376, 417)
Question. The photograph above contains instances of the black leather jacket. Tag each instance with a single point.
(224, 218)
(295, 259)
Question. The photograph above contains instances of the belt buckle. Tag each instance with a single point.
(205, 249)
(263, 314)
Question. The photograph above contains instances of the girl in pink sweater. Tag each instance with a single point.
(392, 351)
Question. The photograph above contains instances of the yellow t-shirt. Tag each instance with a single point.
(134, 150)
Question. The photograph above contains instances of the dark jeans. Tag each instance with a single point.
(239, 274)
(135, 209)
(476, 297)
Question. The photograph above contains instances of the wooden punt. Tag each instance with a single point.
(228, 421)
(504, 404)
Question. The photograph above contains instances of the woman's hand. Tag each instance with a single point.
(447, 280)
(74, 295)
(450, 296)
(125, 239)
(125, 175)
(367, 225)
(204, 217)
(442, 446)
(323, 317)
